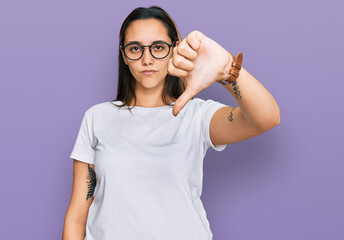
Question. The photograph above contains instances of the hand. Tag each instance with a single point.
(199, 61)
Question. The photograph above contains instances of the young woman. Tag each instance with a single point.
(138, 159)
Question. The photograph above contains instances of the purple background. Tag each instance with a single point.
(59, 58)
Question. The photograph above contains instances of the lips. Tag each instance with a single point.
(148, 72)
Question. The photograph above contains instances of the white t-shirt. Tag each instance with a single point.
(149, 169)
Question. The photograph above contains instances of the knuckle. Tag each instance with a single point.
(192, 66)
(184, 74)
(182, 49)
(193, 34)
(171, 68)
(177, 61)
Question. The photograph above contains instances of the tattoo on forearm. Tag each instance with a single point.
(230, 118)
(92, 183)
(237, 92)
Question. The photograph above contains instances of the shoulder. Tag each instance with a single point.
(202, 104)
(195, 103)
(98, 108)
(200, 107)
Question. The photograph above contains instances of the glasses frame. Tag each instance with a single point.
(149, 46)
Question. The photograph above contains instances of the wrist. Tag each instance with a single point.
(228, 66)
(234, 70)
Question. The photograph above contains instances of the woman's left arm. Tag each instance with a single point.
(257, 105)
(257, 112)
(200, 62)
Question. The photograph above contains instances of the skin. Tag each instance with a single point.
(149, 88)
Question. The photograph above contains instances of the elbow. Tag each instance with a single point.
(269, 124)
(277, 120)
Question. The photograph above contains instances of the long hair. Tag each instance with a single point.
(173, 86)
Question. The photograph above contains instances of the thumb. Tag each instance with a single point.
(183, 100)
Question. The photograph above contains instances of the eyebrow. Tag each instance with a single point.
(141, 42)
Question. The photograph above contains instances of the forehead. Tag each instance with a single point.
(146, 31)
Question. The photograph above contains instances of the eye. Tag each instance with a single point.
(134, 48)
(159, 47)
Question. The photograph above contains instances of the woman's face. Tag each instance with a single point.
(146, 31)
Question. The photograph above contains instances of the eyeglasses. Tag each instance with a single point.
(158, 49)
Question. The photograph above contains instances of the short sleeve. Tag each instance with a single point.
(208, 109)
(84, 147)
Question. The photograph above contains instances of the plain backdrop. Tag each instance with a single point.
(58, 58)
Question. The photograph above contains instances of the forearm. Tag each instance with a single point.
(73, 230)
(257, 105)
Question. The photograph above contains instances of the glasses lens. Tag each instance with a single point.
(160, 50)
(133, 51)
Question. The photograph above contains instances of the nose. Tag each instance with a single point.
(147, 58)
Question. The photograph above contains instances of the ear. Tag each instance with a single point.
(177, 43)
(123, 56)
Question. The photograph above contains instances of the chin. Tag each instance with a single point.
(150, 83)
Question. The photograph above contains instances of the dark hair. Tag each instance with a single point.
(174, 86)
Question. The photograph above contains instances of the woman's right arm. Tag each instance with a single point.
(80, 202)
